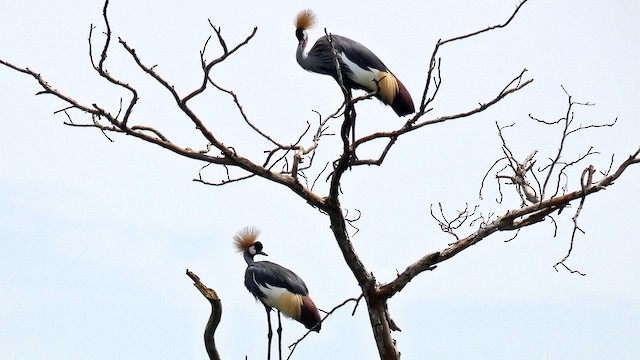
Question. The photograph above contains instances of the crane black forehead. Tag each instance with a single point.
(299, 34)
(257, 246)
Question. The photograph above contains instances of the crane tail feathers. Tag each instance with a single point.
(300, 308)
(393, 93)
(309, 315)
(402, 103)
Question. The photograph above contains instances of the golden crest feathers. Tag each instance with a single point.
(305, 19)
(246, 237)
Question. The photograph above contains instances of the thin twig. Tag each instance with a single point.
(293, 346)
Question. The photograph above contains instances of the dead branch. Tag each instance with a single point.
(207, 66)
(293, 346)
(585, 181)
(519, 170)
(105, 74)
(236, 101)
(450, 225)
(567, 130)
(435, 60)
(229, 179)
(522, 174)
(214, 318)
(515, 85)
(512, 220)
(537, 207)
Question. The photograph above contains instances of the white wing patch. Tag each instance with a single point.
(364, 77)
(272, 294)
(282, 299)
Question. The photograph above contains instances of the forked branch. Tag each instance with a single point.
(512, 220)
(536, 205)
(515, 85)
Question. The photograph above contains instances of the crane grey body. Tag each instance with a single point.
(265, 274)
(275, 287)
(350, 53)
(360, 68)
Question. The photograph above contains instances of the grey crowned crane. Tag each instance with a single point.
(275, 287)
(360, 67)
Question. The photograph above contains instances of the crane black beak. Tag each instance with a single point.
(261, 253)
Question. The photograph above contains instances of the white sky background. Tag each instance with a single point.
(96, 236)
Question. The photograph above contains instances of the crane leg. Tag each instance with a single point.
(269, 333)
(279, 337)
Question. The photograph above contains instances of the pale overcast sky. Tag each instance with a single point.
(95, 236)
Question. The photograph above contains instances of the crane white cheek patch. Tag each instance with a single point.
(364, 77)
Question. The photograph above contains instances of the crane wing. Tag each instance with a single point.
(357, 53)
(359, 65)
(274, 275)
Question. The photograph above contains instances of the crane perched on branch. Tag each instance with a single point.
(359, 67)
(544, 186)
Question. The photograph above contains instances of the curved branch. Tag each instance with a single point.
(516, 84)
(293, 346)
(432, 62)
(105, 74)
(225, 54)
(214, 318)
(230, 156)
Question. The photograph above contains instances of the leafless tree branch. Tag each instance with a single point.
(449, 225)
(214, 318)
(522, 174)
(512, 220)
(282, 162)
(105, 74)
(435, 61)
(207, 66)
(516, 84)
(293, 346)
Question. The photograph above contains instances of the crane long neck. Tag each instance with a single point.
(248, 258)
(301, 56)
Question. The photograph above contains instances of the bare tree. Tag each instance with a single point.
(544, 188)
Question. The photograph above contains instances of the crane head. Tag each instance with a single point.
(304, 20)
(245, 241)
